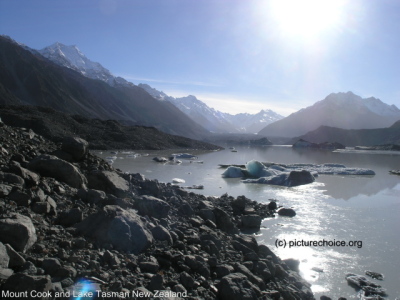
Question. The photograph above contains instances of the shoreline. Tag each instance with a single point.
(129, 232)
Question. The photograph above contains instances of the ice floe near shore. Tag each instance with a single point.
(288, 175)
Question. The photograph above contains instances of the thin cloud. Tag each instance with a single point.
(196, 83)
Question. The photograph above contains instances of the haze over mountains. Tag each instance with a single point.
(63, 78)
(211, 119)
(28, 78)
(214, 120)
(342, 110)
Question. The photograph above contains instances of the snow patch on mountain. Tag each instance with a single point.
(214, 120)
(71, 57)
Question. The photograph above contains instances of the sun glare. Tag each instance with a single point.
(306, 19)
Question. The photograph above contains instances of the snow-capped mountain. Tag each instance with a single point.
(341, 110)
(71, 57)
(254, 122)
(214, 120)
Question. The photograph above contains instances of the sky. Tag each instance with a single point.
(236, 56)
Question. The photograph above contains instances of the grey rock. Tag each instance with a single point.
(236, 286)
(20, 282)
(16, 260)
(21, 198)
(152, 206)
(251, 221)
(92, 196)
(51, 166)
(292, 263)
(51, 266)
(30, 177)
(187, 281)
(272, 205)
(287, 212)
(124, 229)
(5, 190)
(5, 273)
(18, 231)
(75, 146)
(11, 178)
(149, 266)
(70, 217)
(41, 207)
(299, 178)
(224, 221)
(160, 233)
(109, 182)
(4, 257)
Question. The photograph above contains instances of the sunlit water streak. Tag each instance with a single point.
(348, 208)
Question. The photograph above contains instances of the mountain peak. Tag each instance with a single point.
(71, 57)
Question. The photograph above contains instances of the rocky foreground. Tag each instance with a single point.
(66, 214)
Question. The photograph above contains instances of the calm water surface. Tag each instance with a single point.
(364, 209)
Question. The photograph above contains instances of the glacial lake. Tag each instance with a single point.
(363, 209)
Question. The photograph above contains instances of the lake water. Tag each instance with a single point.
(360, 209)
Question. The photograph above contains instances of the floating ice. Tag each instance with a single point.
(289, 175)
(178, 180)
(233, 172)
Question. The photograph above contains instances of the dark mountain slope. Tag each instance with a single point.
(354, 137)
(101, 134)
(26, 78)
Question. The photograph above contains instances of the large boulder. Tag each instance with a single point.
(109, 182)
(20, 282)
(236, 286)
(75, 146)
(224, 221)
(18, 231)
(51, 166)
(299, 178)
(124, 229)
(4, 257)
(152, 206)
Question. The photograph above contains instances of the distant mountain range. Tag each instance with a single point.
(353, 137)
(214, 120)
(341, 110)
(63, 78)
(28, 78)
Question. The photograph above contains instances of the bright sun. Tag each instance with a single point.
(306, 19)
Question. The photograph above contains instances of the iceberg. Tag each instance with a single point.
(288, 175)
(178, 180)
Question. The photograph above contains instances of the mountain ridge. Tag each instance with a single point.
(29, 78)
(342, 110)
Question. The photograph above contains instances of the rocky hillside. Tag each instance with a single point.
(100, 134)
(64, 220)
(30, 79)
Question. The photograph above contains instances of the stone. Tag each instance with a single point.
(124, 229)
(75, 146)
(4, 257)
(109, 182)
(70, 217)
(20, 282)
(19, 197)
(297, 178)
(236, 286)
(16, 260)
(160, 233)
(11, 178)
(92, 196)
(374, 275)
(18, 231)
(272, 205)
(51, 166)
(149, 266)
(5, 273)
(287, 212)
(224, 221)
(292, 263)
(51, 266)
(5, 190)
(187, 281)
(41, 207)
(30, 177)
(152, 207)
(251, 221)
